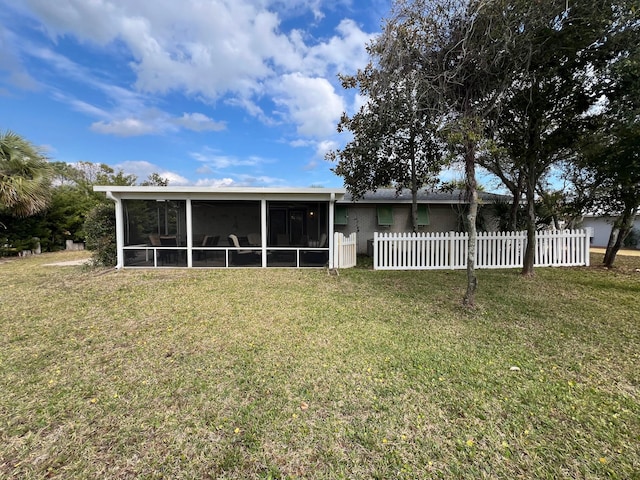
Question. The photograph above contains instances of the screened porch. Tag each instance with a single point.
(225, 233)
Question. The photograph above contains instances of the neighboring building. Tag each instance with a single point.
(602, 224)
(387, 211)
(264, 227)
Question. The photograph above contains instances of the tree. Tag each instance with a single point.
(568, 46)
(154, 179)
(394, 136)
(466, 59)
(440, 68)
(100, 224)
(605, 172)
(71, 199)
(25, 176)
(100, 227)
(613, 163)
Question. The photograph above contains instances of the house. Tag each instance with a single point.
(602, 224)
(262, 227)
(387, 210)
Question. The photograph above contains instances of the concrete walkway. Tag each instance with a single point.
(69, 263)
(624, 252)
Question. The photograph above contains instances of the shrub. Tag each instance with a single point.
(100, 231)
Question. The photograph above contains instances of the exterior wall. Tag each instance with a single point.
(602, 229)
(363, 219)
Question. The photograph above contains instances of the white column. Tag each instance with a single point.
(189, 234)
(332, 206)
(263, 231)
(119, 229)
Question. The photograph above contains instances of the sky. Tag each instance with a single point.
(204, 92)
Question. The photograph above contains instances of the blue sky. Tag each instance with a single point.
(203, 92)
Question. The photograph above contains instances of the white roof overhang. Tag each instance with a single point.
(226, 193)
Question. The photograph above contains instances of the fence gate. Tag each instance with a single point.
(344, 250)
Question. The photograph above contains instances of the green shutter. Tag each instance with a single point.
(340, 216)
(423, 215)
(385, 215)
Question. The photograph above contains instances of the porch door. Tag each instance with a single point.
(287, 226)
(297, 226)
(278, 227)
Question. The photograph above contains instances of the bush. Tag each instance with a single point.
(100, 231)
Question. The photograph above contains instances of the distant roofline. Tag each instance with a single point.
(341, 196)
(390, 195)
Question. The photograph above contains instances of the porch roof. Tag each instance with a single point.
(223, 193)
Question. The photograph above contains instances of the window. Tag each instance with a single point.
(340, 217)
(385, 215)
(423, 215)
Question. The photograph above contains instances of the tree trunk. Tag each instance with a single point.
(472, 196)
(530, 194)
(414, 184)
(622, 226)
(515, 205)
(530, 250)
(414, 208)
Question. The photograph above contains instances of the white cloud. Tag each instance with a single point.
(10, 62)
(325, 146)
(199, 123)
(359, 101)
(148, 122)
(344, 52)
(260, 181)
(126, 127)
(230, 48)
(216, 182)
(300, 143)
(213, 159)
(312, 104)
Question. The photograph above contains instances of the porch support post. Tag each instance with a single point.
(119, 229)
(263, 231)
(189, 234)
(332, 206)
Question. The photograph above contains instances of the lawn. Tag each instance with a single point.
(298, 374)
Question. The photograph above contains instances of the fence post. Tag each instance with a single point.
(375, 250)
(588, 233)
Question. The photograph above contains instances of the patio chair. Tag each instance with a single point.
(322, 241)
(207, 241)
(254, 239)
(316, 257)
(241, 256)
(170, 256)
(210, 241)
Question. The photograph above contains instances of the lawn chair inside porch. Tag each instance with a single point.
(240, 256)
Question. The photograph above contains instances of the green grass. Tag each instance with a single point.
(297, 374)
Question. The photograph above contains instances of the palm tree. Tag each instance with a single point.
(25, 176)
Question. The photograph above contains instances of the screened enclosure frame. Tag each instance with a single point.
(243, 227)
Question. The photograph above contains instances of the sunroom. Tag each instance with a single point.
(223, 227)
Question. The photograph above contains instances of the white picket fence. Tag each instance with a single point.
(448, 250)
(344, 250)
